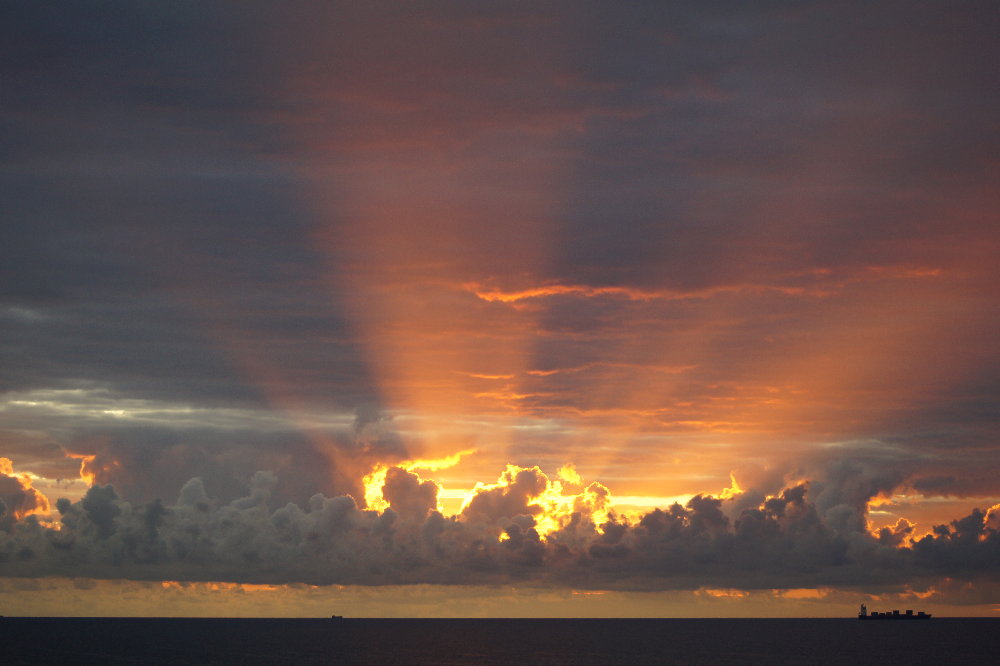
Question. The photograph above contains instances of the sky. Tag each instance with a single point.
(499, 308)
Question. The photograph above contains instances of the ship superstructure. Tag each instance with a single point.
(863, 614)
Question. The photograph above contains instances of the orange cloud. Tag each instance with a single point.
(497, 295)
(375, 481)
(87, 472)
(17, 494)
(522, 491)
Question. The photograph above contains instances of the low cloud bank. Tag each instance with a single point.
(808, 534)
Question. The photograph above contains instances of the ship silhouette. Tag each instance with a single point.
(863, 614)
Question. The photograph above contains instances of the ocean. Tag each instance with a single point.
(570, 641)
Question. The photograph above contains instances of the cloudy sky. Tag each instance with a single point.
(498, 307)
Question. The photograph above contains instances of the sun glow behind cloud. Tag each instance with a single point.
(490, 317)
(23, 499)
(374, 481)
(685, 249)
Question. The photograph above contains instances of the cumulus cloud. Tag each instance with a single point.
(500, 537)
(894, 535)
(407, 495)
(969, 544)
(511, 496)
(17, 498)
(217, 245)
(145, 459)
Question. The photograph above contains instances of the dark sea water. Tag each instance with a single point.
(357, 641)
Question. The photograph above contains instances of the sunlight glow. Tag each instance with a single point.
(374, 481)
(552, 502)
(30, 500)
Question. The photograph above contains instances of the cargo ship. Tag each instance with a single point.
(863, 614)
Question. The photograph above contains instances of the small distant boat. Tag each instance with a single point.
(863, 614)
(336, 617)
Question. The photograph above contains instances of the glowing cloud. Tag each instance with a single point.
(374, 481)
(87, 473)
(17, 498)
(523, 491)
(497, 295)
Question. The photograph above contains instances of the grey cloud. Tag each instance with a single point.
(150, 462)
(895, 535)
(101, 509)
(784, 542)
(17, 499)
(847, 486)
(407, 495)
(157, 249)
(148, 230)
(193, 493)
(509, 500)
(375, 435)
(969, 544)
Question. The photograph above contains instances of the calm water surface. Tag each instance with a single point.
(351, 641)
